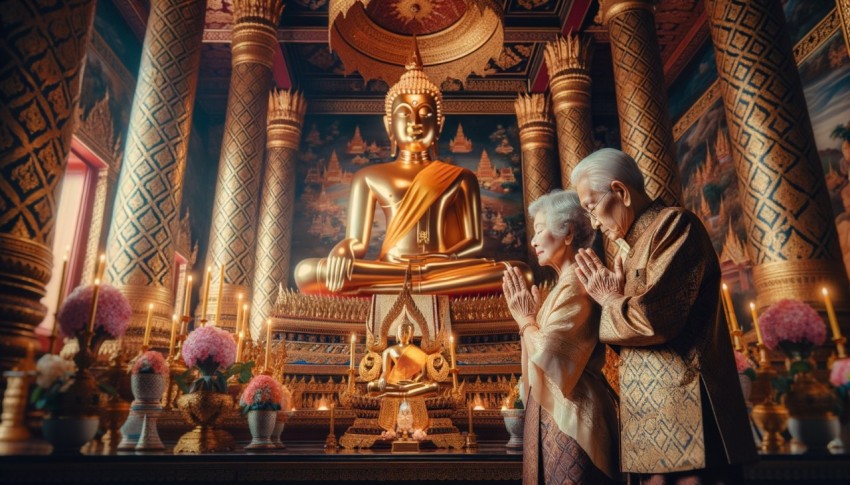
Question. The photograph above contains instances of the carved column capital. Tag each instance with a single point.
(535, 121)
(255, 31)
(568, 61)
(286, 118)
(608, 9)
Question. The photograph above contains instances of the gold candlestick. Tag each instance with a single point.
(351, 357)
(267, 361)
(238, 314)
(830, 311)
(245, 327)
(54, 332)
(755, 315)
(471, 439)
(239, 346)
(187, 297)
(330, 441)
(453, 368)
(147, 340)
(93, 313)
(173, 338)
(101, 267)
(206, 298)
(220, 296)
(733, 319)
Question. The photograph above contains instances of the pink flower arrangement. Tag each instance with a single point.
(263, 393)
(840, 374)
(209, 345)
(113, 311)
(791, 323)
(150, 362)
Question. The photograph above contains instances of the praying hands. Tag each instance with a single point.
(600, 282)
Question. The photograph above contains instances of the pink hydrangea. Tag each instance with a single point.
(150, 362)
(742, 363)
(791, 321)
(113, 311)
(263, 390)
(209, 343)
(840, 374)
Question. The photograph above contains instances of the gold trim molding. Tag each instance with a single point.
(800, 280)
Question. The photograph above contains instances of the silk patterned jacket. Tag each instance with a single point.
(672, 336)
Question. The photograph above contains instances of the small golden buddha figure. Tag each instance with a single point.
(432, 208)
(403, 367)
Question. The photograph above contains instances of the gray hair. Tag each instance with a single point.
(564, 213)
(602, 167)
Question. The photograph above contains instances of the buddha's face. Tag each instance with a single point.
(405, 333)
(413, 123)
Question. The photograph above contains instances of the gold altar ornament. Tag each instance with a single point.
(403, 367)
(458, 38)
(433, 211)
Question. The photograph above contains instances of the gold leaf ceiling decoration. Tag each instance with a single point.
(456, 37)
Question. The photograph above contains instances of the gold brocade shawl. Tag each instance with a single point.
(426, 188)
(673, 343)
(565, 373)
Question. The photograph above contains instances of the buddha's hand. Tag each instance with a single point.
(340, 265)
(600, 282)
(524, 303)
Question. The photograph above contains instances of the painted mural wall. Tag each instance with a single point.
(703, 147)
(334, 147)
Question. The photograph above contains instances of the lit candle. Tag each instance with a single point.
(147, 339)
(756, 322)
(238, 328)
(220, 296)
(173, 334)
(728, 299)
(55, 332)
(245, 320)
(452, 350)
(239, 347)
(333, 411)
(94, 304)
(470, 418)
(206, 294)
(187, 298)
(351, 359)
(267, 362)
(101, 267)
(833, 322)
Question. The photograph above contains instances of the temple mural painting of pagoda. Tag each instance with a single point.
(333, 147)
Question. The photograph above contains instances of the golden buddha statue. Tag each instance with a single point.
(432, 208)
(402, 367)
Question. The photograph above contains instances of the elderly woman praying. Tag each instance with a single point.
(570, 421)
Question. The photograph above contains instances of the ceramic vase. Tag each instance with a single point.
(147, 393)
(69, 434)
(811, 405)
(515, 424)
(262, 425)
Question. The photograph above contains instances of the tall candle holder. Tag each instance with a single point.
(471, 440)
(330, 440)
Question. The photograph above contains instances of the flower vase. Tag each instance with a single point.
(515, 424)
(68, 434)
(147, 393)
(282, 417)
(204, 409)
(811, 405)
(262, 425)
(772, 420)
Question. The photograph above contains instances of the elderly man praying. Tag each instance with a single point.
(682, 414)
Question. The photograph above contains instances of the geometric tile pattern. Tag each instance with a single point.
(575, 137)
(42, 46)
(646, 131)
(234, 223)
(274, 234)
(784, 198)
(140, 249)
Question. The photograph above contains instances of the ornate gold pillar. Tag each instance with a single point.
(791, 233)
(539, 165)
(234, 223)
(140, 249)
(274, 235)
(568, 61)
(645, 129)
(42, 46)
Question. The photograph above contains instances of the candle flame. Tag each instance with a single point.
(752, 306)
(96, 282)
(353, 338)
(824, 291)
(724, 286)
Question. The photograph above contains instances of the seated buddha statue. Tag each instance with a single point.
(403, 367)
(432, 208)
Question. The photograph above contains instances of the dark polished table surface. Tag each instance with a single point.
(308, 462)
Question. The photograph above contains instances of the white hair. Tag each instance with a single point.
(602, 167)
(564, 214)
